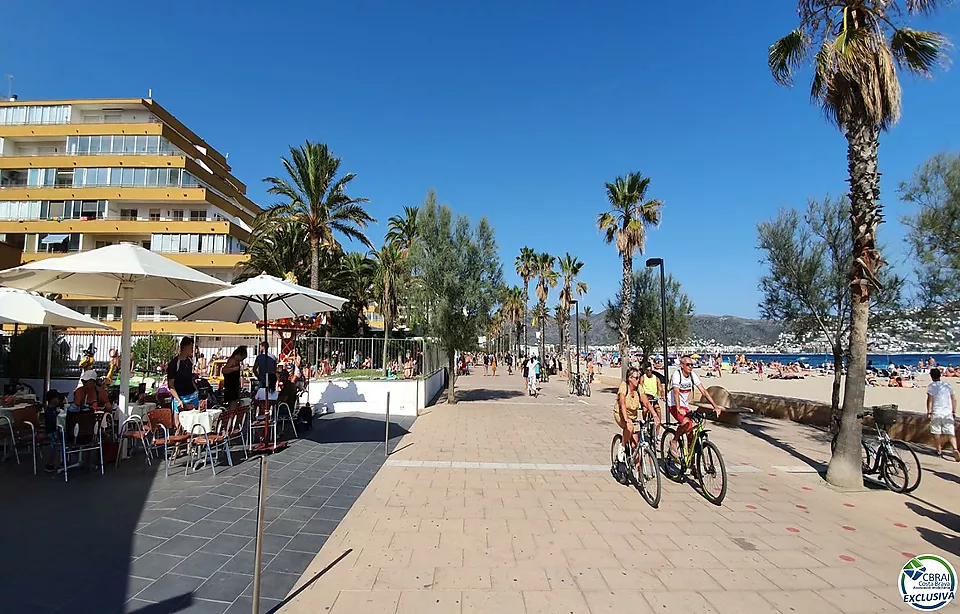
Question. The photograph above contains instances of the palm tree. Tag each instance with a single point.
(525, 269)
(586, 326)
(538, 319)
(402, 229)
(515, 308)
(316, 199)
(546, 279)
(625, 225)
(357, 272)
(561, 317)
(276, 249)
(389, 269)
(857, 47)
(570, 269)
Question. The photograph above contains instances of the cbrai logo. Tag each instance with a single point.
(927, 582)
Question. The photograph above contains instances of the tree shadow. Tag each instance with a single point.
(333, 428)
(339, 391)
(167, 606)
(756, 427)
(484, 394)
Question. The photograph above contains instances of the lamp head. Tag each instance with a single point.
(652, 262)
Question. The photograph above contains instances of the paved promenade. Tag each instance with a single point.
(504, 503)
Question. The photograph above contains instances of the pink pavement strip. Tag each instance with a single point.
(504, 503)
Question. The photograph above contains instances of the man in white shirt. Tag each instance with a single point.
(942, 413)
(682, 383)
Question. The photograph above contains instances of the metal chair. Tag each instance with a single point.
(236, 420)
(80, 434)
(159, 426)
(215, 439)
(135, 434)
(20, 429)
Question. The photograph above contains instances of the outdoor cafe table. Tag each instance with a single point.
(206, 419)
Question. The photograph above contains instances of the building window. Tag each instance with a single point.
(98, 312)
(129, 214)
(58, 243)
(54, 114)
(198, 215)
(99, 244)
(145, 312)
(145, 244)
(154, 215)
(178, 215)
(118, 312)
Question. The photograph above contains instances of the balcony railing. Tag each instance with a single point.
(121, 184)
(74, 251)
(108, 218)
(170, 152)
(82, 120)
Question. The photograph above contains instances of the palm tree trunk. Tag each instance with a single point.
(314, 263)
(862, 144)
(626, 291)
(386, 337)
(526, 301)
(566, 327)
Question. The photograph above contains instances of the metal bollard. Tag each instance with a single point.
(258, 557)
(386, 438)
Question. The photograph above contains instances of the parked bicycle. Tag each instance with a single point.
(893, 460)
(637, 464)
(579, 385)
(703, 457)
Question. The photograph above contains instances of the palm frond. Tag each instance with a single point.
(919, 51)
(786, 55)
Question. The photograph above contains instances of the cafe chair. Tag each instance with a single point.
(81, 433)
(20, 429)
(159, 426)
(132, 430)
(214, 440)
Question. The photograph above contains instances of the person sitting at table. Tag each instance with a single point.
(265, 368)
(288, 391)
(231, 376)
(180, 382)
(89, 394)
(53, 402)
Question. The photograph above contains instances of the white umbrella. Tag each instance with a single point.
(124, 272)
(251, 300)
(19, 307)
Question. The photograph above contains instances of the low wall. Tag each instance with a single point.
(370, 396)
(910, 426)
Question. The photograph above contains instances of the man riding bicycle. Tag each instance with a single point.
(682, 383)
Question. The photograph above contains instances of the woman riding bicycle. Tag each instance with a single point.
(629, 399)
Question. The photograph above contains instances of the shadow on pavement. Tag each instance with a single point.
(946, 519)
(167, 606)
(756, 427)
(484, 394)
(944, 541)
(335, 428)
(943, 475)
(69, 545)
(310, 582)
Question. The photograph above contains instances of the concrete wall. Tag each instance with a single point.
(370, 396)
(910, 426)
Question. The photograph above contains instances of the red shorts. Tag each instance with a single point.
(680, 415)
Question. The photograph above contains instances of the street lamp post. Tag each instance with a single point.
(576, 304)
(658, 262)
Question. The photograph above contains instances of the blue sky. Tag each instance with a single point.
(519, 111)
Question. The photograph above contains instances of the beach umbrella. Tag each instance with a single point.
(19, 307)
(258, 298)
(124, 272)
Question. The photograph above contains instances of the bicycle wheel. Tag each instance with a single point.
(903, 451)
(711, 472)
(586, 387)
(866, 456)
(894, 473)
(673, 466)
(649, 483)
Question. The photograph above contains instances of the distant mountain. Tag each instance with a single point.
(723, 330)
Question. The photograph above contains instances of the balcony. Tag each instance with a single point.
(192, 260)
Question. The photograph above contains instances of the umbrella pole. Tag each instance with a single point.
(126, 335)
(47, 380)
(261, 499)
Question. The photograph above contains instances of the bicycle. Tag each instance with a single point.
(579, 385)
(885, 459)
(703, 457)
(639, 465)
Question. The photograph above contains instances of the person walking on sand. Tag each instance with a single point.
(942, 413)
(759, 370)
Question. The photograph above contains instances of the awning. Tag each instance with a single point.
(53, 239)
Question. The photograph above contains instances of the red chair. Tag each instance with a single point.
(20, 429)
(160, 426)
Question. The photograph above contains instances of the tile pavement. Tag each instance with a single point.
(136, 541)
(445, 527)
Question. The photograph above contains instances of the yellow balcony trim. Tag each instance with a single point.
(65, 130)
(115, 227)
(209, 261)
(82, 101)
(138, 161)
(198, 195)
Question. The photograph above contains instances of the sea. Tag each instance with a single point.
(879, 360)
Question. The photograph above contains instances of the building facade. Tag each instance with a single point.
(76, 175)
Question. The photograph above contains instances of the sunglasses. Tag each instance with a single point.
(686, 364)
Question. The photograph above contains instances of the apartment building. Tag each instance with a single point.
(76, 175)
